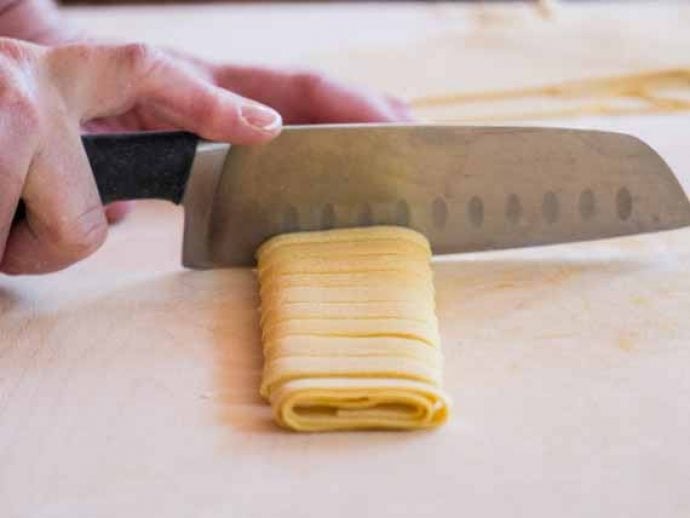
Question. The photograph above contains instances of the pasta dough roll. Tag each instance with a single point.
(349, 330)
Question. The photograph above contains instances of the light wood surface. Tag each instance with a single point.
(129, 386)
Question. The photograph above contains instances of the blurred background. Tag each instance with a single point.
(454, 61)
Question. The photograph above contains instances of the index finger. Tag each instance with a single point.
(309, 97)
(105, 80)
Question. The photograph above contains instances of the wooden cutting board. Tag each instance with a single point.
(128, 386)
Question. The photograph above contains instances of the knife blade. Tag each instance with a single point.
(465, 188)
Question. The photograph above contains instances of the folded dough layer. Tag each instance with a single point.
(329, 404)
(349, 330)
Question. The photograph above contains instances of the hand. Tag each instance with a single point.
(47, 94)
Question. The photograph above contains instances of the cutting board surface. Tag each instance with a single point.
(128, 386)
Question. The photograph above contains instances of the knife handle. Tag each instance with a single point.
(130, 166)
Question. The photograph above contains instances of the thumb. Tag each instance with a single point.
(105, 80)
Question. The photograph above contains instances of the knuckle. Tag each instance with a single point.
(18, 102)
(207, 108)
(310, 82)
(139, 58)
(82, 53)
(78, 237)
(14, 50)
(18, 105)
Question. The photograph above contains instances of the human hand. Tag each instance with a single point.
(45, 96)
(49, 94)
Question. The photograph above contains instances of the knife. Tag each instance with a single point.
(465, 188)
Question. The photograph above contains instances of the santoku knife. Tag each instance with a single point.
(465, 188)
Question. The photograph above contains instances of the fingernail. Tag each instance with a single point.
(261, 117)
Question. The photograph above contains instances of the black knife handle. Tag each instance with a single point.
(130, 166)
(141, 165)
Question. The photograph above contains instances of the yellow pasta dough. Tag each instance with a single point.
(646, 92)
(349, 330)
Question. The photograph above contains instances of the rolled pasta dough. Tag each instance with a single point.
(349, 330)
